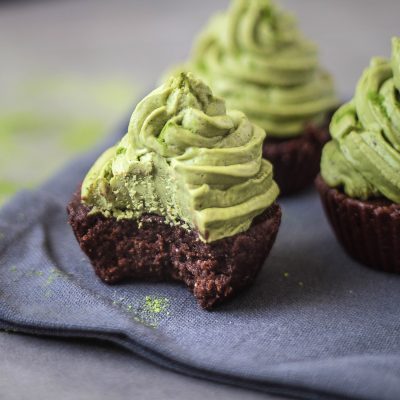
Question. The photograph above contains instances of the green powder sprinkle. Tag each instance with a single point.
(286, 274)
(54, 273)
(47, 278)
(156, 305)
(148, 312)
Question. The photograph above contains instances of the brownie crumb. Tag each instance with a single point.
(151, 250)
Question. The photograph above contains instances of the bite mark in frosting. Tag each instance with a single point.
(188, 159)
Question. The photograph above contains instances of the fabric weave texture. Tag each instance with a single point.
(315, 325)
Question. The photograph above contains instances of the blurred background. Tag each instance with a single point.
(71, 71)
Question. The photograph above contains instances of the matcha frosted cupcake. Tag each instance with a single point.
(360, 168)
(185, 195)
(255, 57)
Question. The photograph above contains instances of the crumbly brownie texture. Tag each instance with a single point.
(155, 251)
(368, 230)
(296, 161)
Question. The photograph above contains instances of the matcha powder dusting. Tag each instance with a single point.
(156, 305)
(149, 311)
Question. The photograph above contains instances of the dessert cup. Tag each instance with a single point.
(184, 196)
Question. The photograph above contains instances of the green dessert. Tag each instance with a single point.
(186, 158)
(185, 195)
(360, 167)
(364, 155)
(254, 56)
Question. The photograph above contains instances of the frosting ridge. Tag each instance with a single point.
(188, 159)
(255, 57)
(364, 155)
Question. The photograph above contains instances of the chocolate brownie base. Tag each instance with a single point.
(368, 230)
(297, 160)
(150, 249)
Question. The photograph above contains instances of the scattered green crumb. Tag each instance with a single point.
(50, 280)
(286, 274)
(54, 273)
(2, 235)
(148, 312)
(156, 305)
(301, 284)
(13, 269)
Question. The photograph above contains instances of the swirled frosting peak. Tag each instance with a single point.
(364, 155)
(255, 57)
(187, 159)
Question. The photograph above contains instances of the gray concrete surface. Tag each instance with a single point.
(137, 40)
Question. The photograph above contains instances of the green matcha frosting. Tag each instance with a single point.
(255, 57)
(187, 159)
(364, 155)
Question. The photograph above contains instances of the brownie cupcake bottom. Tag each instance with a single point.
(296, 160)
(368, 230)
(150, 249)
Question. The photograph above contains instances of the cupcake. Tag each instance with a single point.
(360, 168)
(255, 57)
(185, 195)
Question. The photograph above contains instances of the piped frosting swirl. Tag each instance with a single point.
(364, 155)
(188, 159)
(255, 58)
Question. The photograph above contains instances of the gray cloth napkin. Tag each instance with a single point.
(314, 325)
